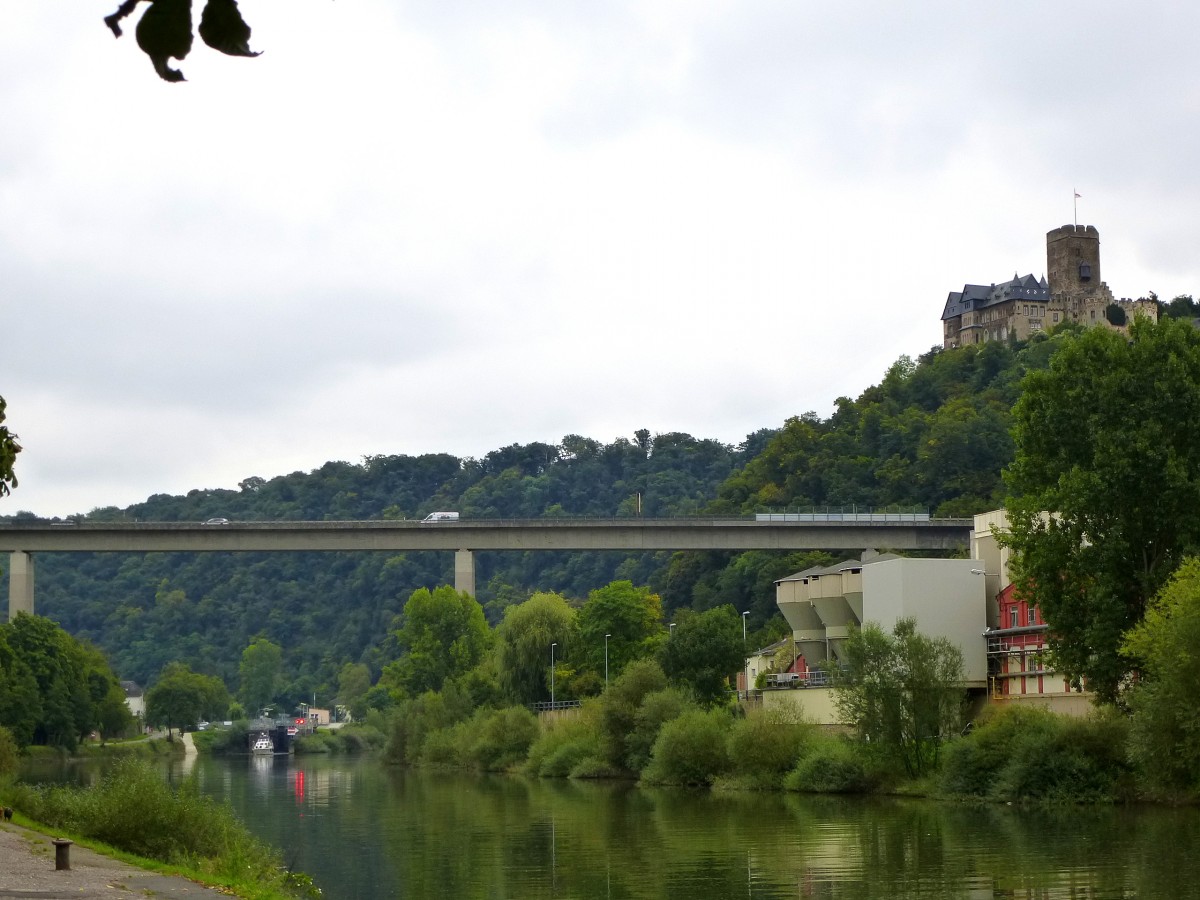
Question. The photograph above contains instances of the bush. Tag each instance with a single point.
(831, 766)
(764, 747)
(502, 737)
(134, 810)
(656, 710)
(619, 707)
(9, 752)
(445, 748)
(581, 732)
(690, 750)
(1033, 754)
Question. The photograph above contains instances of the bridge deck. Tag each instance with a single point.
(486, 534)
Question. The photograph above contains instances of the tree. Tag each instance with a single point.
(1165, 739)
(523, 642)
(631, 616)
(354, 680)
(9, 448)
(181, 698)
(165, 31)
(444, 633)
(903, 692)
(1105, 488)
(704, 651)
(260, 670)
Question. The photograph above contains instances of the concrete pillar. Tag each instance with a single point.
(20, 583)
(464, 571)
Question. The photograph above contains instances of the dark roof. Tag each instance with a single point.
(980, 296)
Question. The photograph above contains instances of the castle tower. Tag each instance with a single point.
(1073, 260)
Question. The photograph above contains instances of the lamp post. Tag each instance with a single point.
(606, 637)
(552, 646)
(746, 613)
(671, 630)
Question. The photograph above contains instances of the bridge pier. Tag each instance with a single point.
(464, 571)
(20, 583)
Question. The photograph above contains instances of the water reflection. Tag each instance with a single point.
(364, 831)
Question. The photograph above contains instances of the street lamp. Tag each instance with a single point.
(552, 646)
(606, 637)
(746, 613)
(671, 630)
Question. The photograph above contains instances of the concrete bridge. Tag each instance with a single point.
(22, 541)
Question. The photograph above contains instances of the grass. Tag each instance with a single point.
(133, 815)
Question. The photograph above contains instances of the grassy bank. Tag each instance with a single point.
(133, 814)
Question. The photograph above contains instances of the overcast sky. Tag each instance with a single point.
(419, 226)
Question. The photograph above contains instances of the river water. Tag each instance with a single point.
(366, 831)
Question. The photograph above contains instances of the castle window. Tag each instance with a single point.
(1085, 272)
(1056, 317)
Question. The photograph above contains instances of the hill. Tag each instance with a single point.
(933, 433)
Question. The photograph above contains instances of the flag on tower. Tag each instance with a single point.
(1078, 195)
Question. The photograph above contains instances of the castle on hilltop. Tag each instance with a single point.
(1026, 305)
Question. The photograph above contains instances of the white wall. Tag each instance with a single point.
(944, 597)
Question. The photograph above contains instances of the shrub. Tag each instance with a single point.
(1033, 754)
(690, 749)
(656, 710)
(582, 731)
(831, 766)
(764, 747)
(446, 747)
(502, 737)
(133, 809)
(619, 707)
(9, 752)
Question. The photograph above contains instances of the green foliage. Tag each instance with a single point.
(260, 672)
(1105, 488)
(9, 448)
(10, 752)
(1165, 740)
(501, 738)
(902, 692)
(690, 750)
(55, 690)
(565, 744)
(354, 680)
(655, 710)
(414, 721)
(181, 698)
(832, 765)
(632, 619)
(1182, 307)
(705, 650)
(619, 707)
(764, 746)
(1032, 754)
(523, 642)
(444, 633)
(133, 809)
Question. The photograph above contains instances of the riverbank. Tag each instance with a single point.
(29, 871)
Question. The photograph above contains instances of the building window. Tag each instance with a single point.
(1056, 317)
(1013, 614)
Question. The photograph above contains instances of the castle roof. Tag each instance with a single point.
(981, 296)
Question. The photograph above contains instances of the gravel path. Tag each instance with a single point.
(27, 870)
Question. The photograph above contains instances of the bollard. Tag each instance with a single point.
(62, 853)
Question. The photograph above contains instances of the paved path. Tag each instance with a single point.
(27, 870)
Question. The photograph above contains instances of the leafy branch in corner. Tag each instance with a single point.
(164, 31)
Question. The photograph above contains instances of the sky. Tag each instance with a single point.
(420, 226)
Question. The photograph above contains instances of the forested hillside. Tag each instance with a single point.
(933, 433)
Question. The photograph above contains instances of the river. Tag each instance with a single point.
(365, 831)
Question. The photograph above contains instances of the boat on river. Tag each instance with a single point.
(262, 745)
